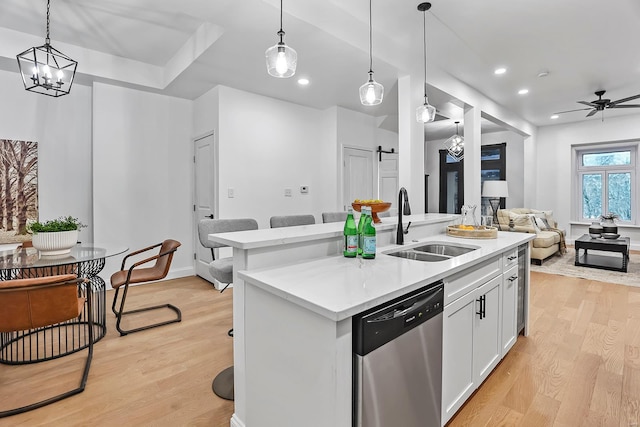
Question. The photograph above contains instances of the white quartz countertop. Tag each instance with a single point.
(338, 288)
(277, 236)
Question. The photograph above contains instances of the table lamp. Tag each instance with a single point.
(494, 190)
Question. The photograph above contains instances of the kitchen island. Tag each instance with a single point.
(292, 323)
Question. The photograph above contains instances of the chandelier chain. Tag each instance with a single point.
(48, 40)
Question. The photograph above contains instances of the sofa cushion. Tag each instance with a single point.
(544, 239)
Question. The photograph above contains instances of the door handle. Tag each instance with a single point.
(209, 216)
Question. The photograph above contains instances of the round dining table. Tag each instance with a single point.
(85, 260)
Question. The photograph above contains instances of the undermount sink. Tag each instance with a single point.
(446, 249)
(432, 252)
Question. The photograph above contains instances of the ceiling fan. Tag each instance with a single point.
(604, 104)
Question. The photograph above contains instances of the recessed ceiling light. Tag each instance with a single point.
(500, 70)
(555, 116)
(303, 82)
(523, 91)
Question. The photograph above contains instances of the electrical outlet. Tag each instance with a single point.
(304, 189)
(230, 193)
(287, 192)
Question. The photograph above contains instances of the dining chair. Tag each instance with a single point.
(138, 274)
(334, 217)
(38, 305)
(291, 220)
(222, 270)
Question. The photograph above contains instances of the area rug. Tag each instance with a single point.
(564, 266)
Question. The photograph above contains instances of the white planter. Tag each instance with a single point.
(55, 243)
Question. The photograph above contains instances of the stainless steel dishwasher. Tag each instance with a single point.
(398, 361)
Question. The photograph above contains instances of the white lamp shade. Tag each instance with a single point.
(281, 60)
(495, 189)
(425, 113)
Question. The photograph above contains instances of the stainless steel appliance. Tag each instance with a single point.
(398, 361)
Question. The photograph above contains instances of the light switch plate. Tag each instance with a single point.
(287, 192)
(230, 193)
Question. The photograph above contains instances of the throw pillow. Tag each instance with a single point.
(547, 215)
(523, 220)
(541, 223)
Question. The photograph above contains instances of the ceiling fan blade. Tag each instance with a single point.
(619, 101)
(592, 112)
(625, 106)
(571, 111)
(590, 104)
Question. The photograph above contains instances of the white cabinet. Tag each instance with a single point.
(479, 326)
(486, 337)
(457, 354)
(471, 343)
(509, 308)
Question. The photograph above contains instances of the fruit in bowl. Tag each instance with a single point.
(376, 206)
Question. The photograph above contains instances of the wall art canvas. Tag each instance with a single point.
(18, 189)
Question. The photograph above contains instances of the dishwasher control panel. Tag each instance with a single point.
(381, 324)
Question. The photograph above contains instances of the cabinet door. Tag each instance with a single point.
(509, 308)
(457, 354)
(486, 334)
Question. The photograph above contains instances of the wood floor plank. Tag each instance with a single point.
(579, 366)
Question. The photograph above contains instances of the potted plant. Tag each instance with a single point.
(56, 236)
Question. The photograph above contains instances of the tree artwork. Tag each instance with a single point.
(18, 189)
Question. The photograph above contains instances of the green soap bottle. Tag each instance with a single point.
(363, 216)
(368, 238)
(350, 236)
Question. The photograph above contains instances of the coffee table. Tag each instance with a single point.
(605, 262)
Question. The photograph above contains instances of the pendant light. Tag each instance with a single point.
(455, 146)
(371, 92)
(46, 70)
(425, 113)
(281, 59)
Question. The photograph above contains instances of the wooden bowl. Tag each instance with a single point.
(375, 209)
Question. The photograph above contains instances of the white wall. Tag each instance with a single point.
(554, 175)
(62, 129)
(266, 145)
(142, 176)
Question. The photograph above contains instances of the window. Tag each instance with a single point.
(606, 182)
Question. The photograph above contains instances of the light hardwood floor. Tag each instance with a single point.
(580, 366)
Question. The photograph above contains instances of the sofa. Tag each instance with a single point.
(549, 239)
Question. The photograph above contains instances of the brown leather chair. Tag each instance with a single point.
(38, 304)
(137, 274)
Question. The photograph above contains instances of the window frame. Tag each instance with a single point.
(604, 171)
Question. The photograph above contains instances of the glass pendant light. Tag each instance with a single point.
(425, 113)
(371, 92)
(455, 146)
(281, 59)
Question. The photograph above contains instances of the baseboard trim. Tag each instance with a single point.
(235, 421)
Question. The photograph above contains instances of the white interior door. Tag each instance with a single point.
(205, 183)
(388, 181)
(359, 181)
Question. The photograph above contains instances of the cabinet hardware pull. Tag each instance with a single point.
(511, 258)
(482, 301)
(512, 278)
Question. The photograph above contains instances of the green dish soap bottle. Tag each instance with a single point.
(368, 238)
(350, 236)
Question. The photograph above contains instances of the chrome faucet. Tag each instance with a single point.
(406, 209)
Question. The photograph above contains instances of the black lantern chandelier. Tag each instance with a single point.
(46, 70)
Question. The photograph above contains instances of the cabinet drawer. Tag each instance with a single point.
(509, 259)
(461, 283)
